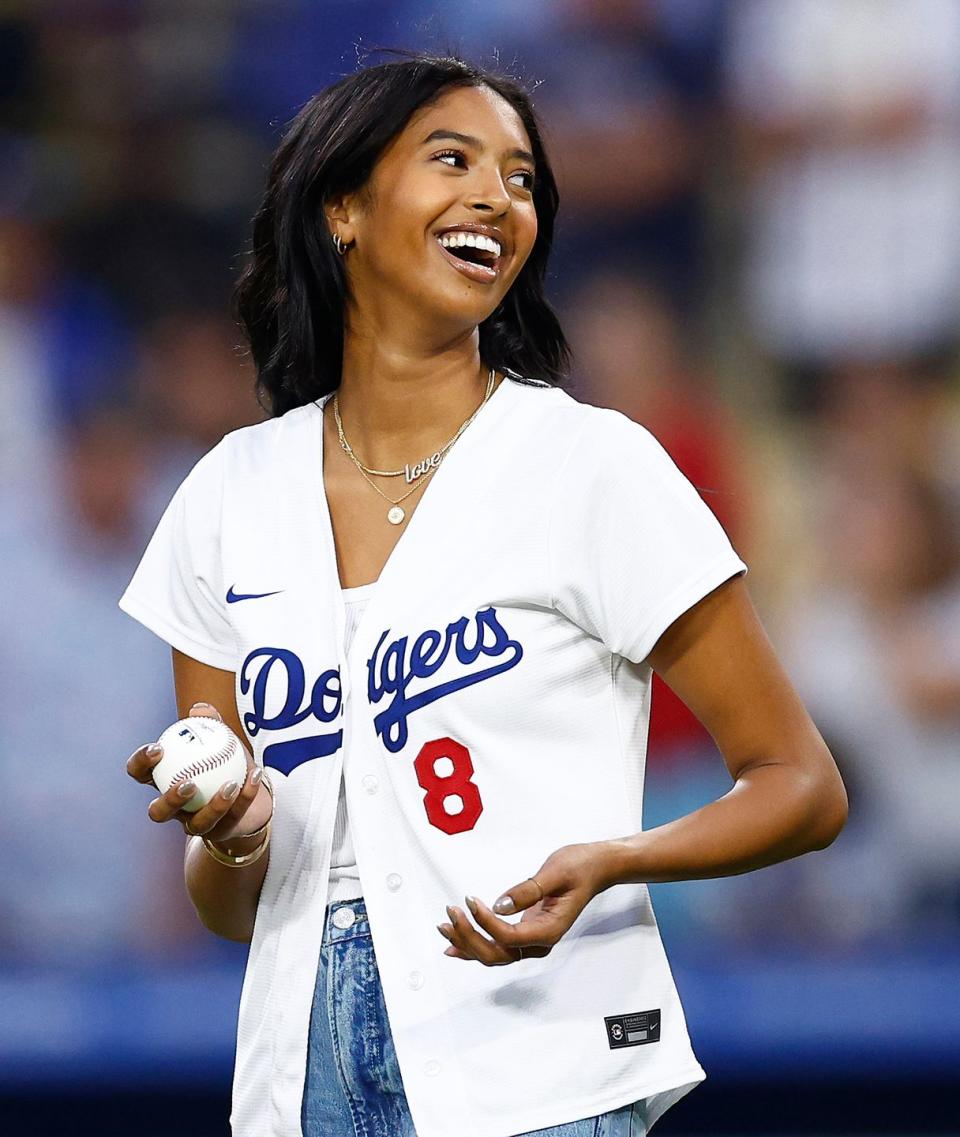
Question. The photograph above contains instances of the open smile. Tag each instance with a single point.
(475, 263)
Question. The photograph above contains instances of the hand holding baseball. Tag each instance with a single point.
(240, 805)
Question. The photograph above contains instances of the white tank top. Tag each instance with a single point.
(344, 878)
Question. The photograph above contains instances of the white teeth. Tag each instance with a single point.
(473, 240)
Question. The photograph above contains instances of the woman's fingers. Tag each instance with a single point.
(223, 814)
(468, 943)
(248, 791)
(141, 762)
(170, 805)
(252, 808)
(205, 710)
(209, 816)
(536, 932)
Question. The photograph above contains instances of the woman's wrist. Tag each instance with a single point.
(622, 860)
(234, 857)
(239, 845)
(244, 839)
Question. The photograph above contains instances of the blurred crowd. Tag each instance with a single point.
(757, 257)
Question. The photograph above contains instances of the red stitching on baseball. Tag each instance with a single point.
(205, 764)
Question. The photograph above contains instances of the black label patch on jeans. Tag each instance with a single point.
(636, 1029)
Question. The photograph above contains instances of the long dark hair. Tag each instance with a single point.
(290, 297)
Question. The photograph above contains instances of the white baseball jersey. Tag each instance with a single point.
(492, 708)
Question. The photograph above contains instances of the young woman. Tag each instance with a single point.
(431, 592)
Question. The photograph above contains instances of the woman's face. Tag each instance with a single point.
(428, 184)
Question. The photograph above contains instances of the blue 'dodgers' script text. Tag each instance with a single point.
(395, 671)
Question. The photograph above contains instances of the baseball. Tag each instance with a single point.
(203, 751)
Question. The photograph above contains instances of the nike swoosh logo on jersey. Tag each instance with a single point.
(233, 597)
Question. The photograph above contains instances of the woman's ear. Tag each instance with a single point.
(339, 212)
(335, 209)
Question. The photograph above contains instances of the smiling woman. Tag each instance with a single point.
(383, 145)
(451, 694)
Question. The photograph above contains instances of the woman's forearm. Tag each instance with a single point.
(225, 897)
(774, 811)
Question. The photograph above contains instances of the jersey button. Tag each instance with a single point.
(394, 880)
(432, 1068)
(370, 783)
(344, 918)
(416, 980)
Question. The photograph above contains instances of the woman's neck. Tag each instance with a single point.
(398, 404)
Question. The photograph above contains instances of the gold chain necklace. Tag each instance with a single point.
(415, 474)
(410, 473)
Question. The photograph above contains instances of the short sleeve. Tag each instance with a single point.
(177, 590)
(632, 545)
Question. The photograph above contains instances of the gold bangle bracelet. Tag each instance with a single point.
(243, 860)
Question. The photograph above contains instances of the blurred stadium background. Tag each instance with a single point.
(758, 257)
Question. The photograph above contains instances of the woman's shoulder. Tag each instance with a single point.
(249, 453)
(564, 420)
(263, 434)
(262, 441)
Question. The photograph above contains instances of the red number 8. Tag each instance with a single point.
(439, 787)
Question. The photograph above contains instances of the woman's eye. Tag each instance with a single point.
(459, 156)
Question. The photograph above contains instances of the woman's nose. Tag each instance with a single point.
(491, 197)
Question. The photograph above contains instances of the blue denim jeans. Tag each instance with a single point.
(353, 1086)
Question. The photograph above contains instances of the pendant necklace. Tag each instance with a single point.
(413, 475)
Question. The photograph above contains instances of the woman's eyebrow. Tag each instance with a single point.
(469, 140)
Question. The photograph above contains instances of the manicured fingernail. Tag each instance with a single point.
(450, 951)
(442, 930)
(205, 706)
(186, 789)
(504, 906)
(471, 903)
(452, 915)
(153, 750)
(256, 776)
(230, 790)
